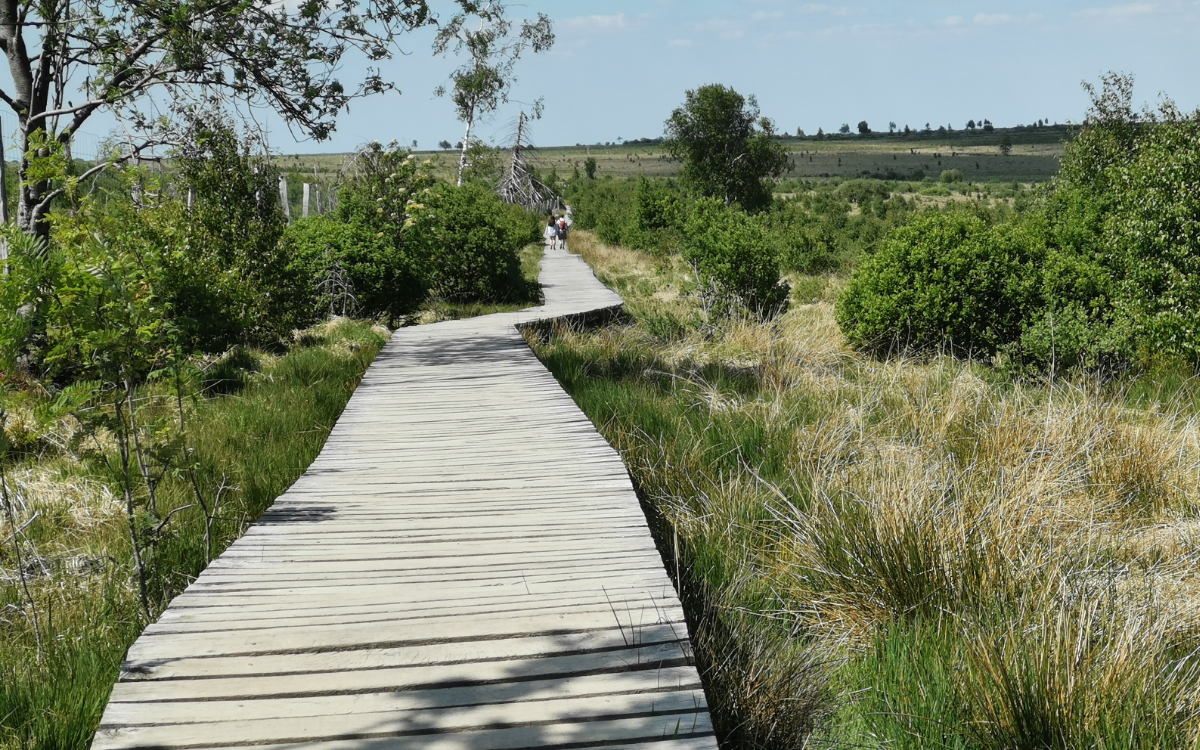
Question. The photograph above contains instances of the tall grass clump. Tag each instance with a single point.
(906, 552)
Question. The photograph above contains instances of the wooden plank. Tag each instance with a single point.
(515, 653)
(270, 640)
(413, 696)
(684, 704)
(665, 732)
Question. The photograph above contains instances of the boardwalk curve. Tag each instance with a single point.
(465, 566)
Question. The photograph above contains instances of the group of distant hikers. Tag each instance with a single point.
(556, 230)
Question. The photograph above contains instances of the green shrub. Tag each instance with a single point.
(472, 241)
(945, 280)
(225, 278)
(1077, 325)
(656, 217)
(735, 263)
(951, 176)
(603, 206)
(1154, 232)
(383, 278)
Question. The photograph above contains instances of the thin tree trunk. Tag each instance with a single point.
(3, 186)
(130, 509)
(462, 157)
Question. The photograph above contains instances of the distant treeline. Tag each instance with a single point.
(982, 136)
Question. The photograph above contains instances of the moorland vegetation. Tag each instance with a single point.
(173, 355)
(945, 496)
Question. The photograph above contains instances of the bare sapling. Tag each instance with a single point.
(484, 81)
(125, 474)
(210, 510)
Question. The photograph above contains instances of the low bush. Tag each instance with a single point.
(736, 265)
(945, 279)
(225, 277)
(603, 206)
(472, 241)
(1100, 271)
(349, 268)
(656, 218)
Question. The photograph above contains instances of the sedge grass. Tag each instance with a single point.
(941, 555)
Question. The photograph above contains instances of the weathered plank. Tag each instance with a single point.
(465, 565)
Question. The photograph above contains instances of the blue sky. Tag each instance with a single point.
(620, 66)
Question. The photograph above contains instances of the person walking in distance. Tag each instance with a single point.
(562, 232)
(550, 234)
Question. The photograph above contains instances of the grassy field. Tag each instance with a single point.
(1034, 158)
(903, 553)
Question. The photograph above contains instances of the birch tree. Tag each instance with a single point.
(492, 47)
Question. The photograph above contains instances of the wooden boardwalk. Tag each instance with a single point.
(464, 566)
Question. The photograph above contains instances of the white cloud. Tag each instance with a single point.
(1118, 11)
(763, 15)
(597, 22)
(996, 19)
(822, 8)
(724, 28)
(951, 21)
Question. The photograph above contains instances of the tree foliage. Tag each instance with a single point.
(727, 147)
(69, 60)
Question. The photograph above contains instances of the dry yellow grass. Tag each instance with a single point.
(1052, 524)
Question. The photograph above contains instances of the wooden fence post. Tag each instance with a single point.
(283, 198)
(304, 202)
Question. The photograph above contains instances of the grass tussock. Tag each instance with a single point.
(902, 552)
(70, 609)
